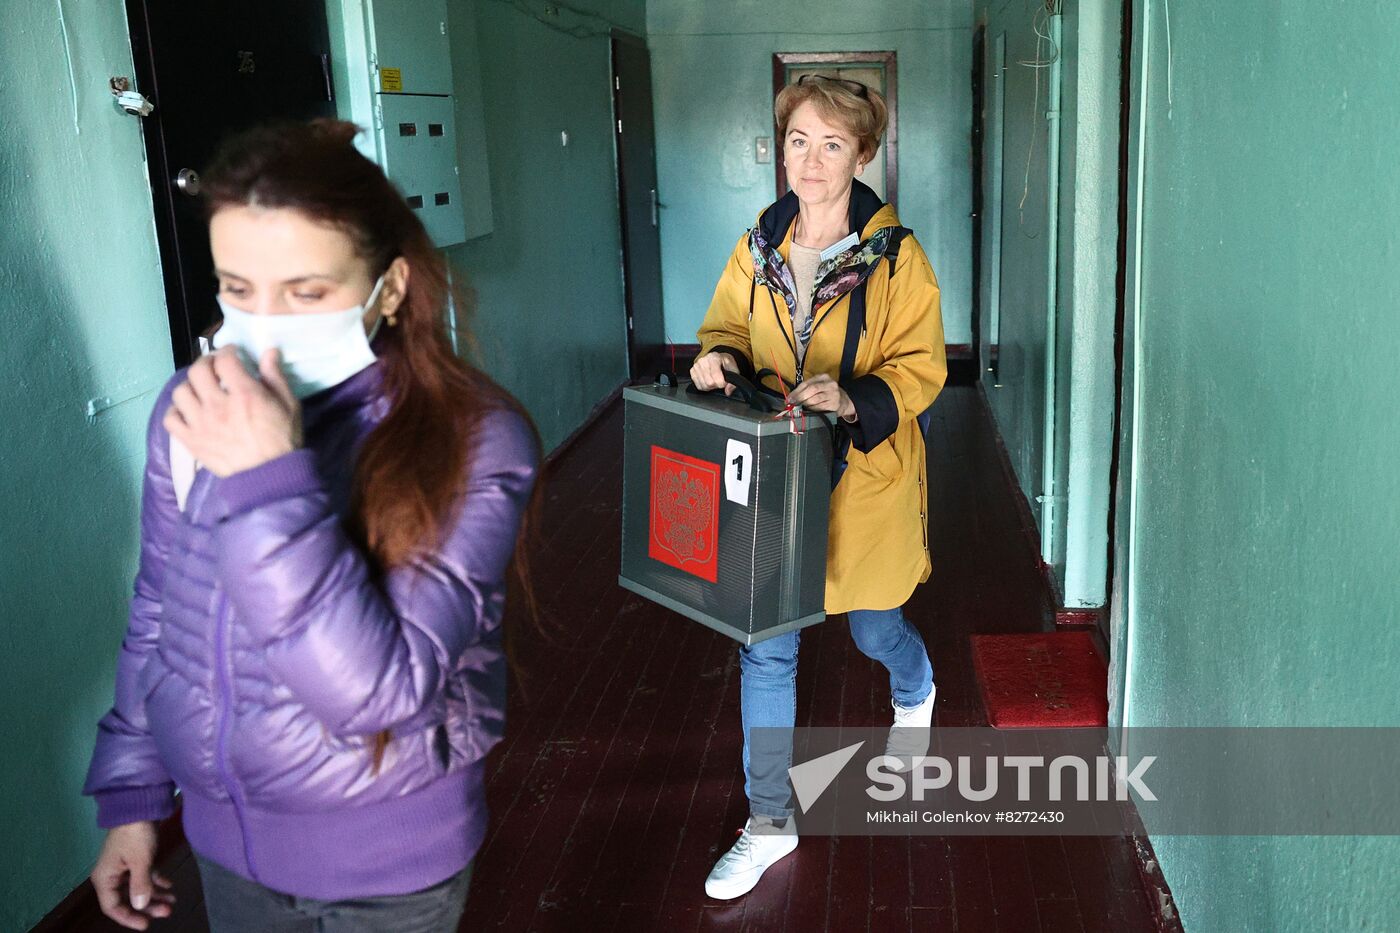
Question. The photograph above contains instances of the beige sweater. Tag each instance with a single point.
(803, 261)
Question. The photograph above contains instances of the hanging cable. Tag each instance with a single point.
(1042, 15)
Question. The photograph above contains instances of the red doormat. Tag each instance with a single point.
(1041, 680)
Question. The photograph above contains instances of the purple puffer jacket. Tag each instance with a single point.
(263, 655)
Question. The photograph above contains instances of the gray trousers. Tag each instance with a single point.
(237, 905)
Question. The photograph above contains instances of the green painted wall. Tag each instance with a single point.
(713, 85)
(1262, 573)
(1086, 296)
(1074, 478)
(1017, 395)
(550, 318)
(83, 317)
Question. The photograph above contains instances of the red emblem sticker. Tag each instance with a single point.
(684, 512)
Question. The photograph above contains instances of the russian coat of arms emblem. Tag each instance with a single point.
(684, 512)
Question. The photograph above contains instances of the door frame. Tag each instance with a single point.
(158, 175)
(184, 299)
(992, 167)
(889, 61)
(638, 361)
(1120, 588)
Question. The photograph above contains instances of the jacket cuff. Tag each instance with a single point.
(740, 358)
(134, 804)
(289, 475)
(877, 413)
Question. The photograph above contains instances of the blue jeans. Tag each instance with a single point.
(768, 696)
(236, 905)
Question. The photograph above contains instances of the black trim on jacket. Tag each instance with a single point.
(877, 413)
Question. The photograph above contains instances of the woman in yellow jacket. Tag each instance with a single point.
(829, 290)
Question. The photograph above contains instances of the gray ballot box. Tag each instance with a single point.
(724, 510)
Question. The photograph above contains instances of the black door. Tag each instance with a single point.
(641, 242)
(213, 68)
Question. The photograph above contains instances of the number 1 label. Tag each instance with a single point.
(738, 471)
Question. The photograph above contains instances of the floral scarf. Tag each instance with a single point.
(835, 276)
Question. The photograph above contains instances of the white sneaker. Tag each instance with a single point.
(760, 845)
(909, 738)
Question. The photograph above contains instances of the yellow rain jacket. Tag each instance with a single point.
(878, 543)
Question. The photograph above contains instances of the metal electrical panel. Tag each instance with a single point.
(420, 156)
(416, 107)
(411, 46)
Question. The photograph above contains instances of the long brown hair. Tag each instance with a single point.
(412, 470)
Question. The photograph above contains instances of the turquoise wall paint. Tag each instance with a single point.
(1088, 265)
(713, 85)
(1017, 396)
(1073, 519)
(550, 318)
(1263, 556)
(83, 317)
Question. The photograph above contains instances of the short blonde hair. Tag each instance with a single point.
(865, 118)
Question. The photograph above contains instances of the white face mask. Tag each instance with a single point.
(319, 350)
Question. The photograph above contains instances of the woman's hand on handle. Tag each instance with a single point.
(127, 889)
(708, 372)
(822, 393)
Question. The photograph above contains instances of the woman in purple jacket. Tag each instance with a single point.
(332, 499)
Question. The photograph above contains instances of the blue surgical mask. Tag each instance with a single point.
(319, 350)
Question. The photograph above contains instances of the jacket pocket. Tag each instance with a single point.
(884, 461)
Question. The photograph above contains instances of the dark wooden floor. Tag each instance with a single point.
(619, 783)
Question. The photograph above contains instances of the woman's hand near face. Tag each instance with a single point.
(231, 421)
(708, 372)
(821, 393)
(128, 891)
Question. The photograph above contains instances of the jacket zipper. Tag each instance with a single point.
(225, 725)
(830, 306)
(800, 365)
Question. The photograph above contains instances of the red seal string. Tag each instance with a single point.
(790, 411)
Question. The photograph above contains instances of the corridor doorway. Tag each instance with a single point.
(232, 65)
(993, 96)
(639, 204)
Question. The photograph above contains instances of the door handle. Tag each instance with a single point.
(187, 180)
(654, 204)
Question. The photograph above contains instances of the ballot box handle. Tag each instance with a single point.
(756, 396)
